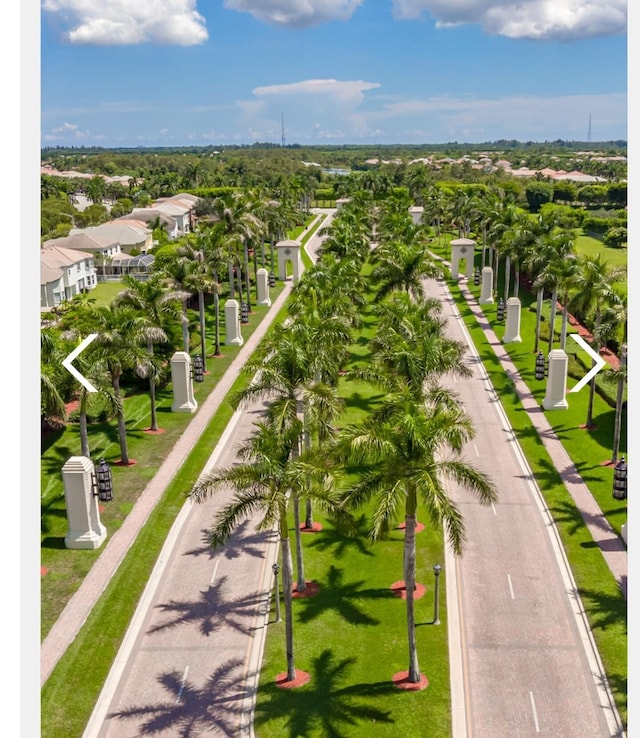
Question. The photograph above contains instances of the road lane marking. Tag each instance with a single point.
(511, 587)
(475, 448)
(535, 714)
(493, 507)
(182, 683)
(215, 571)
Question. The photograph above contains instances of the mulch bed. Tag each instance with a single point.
(399, 589)
(400, 679)
(302, 677)
(311, 589)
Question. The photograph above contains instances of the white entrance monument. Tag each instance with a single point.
(262, 277)
(486, 290)
(462, 248)
(555, 397)
(289, 251)
(182, 382)
(232, 323)
(512, 329)
(83, 516)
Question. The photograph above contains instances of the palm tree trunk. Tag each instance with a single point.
(507, 276)
(152, 397)
(246, 275)
(617, 426)
(552, 318)
(409, 565)
(203, 348)
(287, 591)
(185, 328)
(216, 308)
(122, 429)
(82, 422)
(232, 285)
(539, 300)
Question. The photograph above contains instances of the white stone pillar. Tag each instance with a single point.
(416, 212)
(83, 516)
(486, 290)
(556, 391)
(262, 277)
(512, 329)
(182, 382)
(232, 323)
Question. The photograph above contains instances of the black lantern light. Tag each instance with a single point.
(198, 368)
(541, 365)
(500, 310)
(244, 313)
(102, 482)
(476, 277)
(620, 480)
(272, 279)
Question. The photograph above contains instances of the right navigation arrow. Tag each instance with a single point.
(599, 362)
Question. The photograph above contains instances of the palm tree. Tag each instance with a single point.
(269, 478)
(402, 265)
(51, 401)
(120, 346)
(408, 452)
(594, 282)
(158, 303)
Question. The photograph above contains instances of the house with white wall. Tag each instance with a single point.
(132, 236)
(63, 274)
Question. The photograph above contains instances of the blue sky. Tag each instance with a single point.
(199, 72)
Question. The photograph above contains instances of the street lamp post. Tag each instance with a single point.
(276, 570)
(436, 570)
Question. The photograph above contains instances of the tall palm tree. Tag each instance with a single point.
(160, 305)
(121, 346)
(287, 370)
(402, 265)
(51, 401)
(594, 289)
(409, 451)
(267, 480)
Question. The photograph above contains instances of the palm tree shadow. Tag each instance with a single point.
(330, 538)
(189, 712)
(339, 596)
(322, 707)
(241, 543)
(213, 611)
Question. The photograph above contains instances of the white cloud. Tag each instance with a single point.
(123, 22)
(296, 13)
(348, 91)
(562, 20)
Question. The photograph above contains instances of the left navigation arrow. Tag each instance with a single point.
(74, 354)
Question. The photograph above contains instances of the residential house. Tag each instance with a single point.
(182, 207)
(102, 248)
(64, 273)
(132, 237)
(152, 217)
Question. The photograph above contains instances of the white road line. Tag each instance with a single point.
(475, 448)
(535, 714)
(182, 683)
(215, 571)
(511, 587)
(493, 507)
